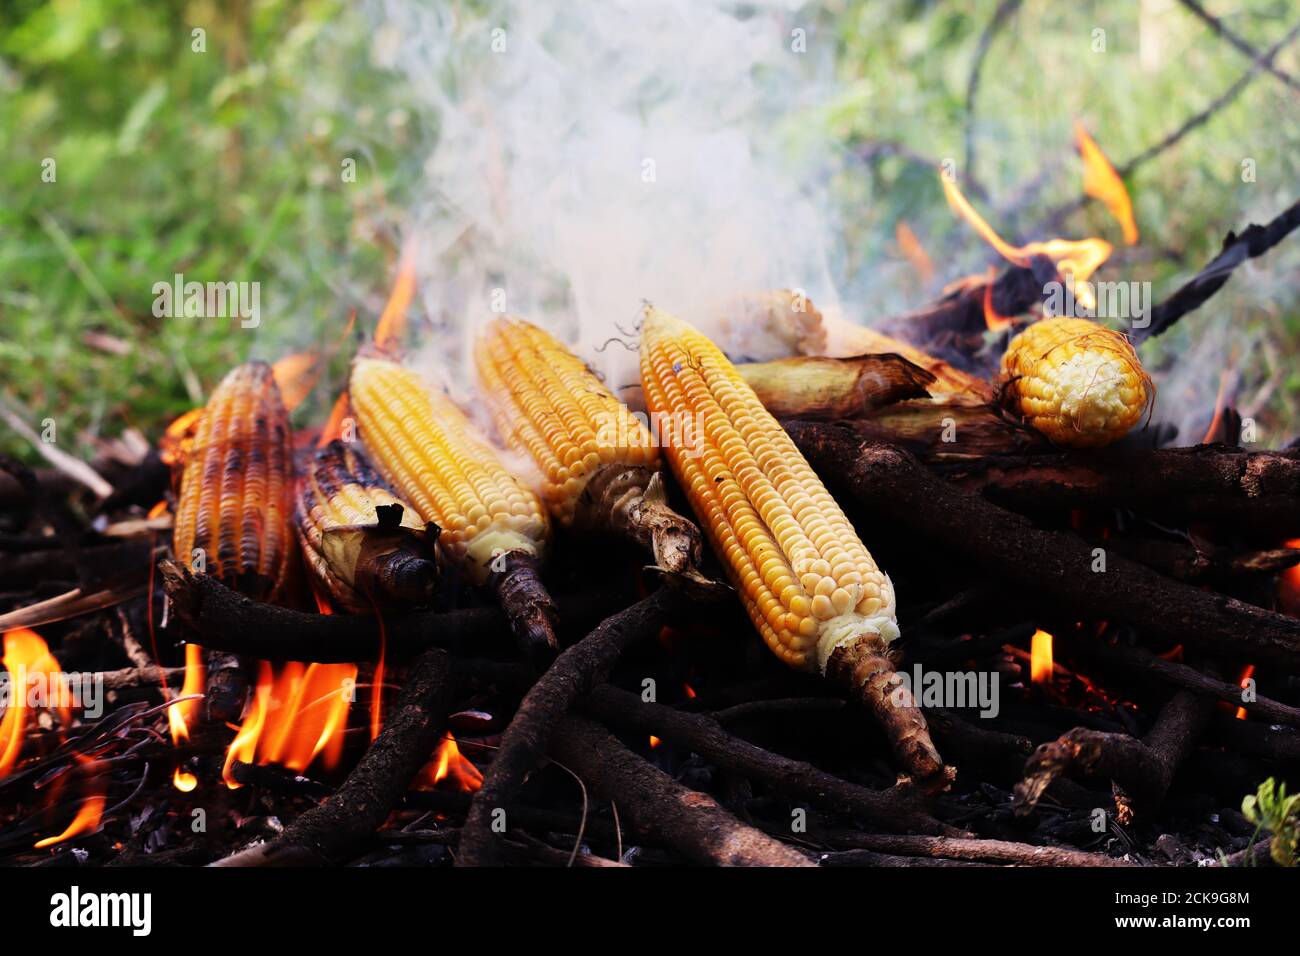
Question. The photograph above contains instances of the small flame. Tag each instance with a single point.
(158, 510)
(27, 657)
(296, 716)
(184, 781)
(86, 821)
(654, 741)
(296, 375)
(180, 716)
(450, 764)
(178, 439)
(914, 252)
(994, 321)
(1246, 675)
(334, 425)
(1040, 658)
(392, 322)
(1220, 404)
(1075, 260)
(1101, 181)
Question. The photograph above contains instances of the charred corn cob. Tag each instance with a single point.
(1078, 383)
(809, 584)
(599, 466)
(361, 542)
(493, 526)
(232, 519)
(232, 516)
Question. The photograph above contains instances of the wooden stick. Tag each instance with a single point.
(900, 808)
(958, 848)
(655, 804)
(333, 831)
(524, 743)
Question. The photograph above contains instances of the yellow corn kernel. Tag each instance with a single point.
(1076, 382)
(232, 517)
(426, 448)
(807, 581)
(548, 405)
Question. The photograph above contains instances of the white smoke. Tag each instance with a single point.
(593, 154)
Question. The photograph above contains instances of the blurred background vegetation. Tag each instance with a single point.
(225, 164)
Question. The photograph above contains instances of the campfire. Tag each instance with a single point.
(746, 577)
(411, 634)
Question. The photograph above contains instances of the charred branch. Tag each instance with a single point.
(1057, 564)
(656, 805)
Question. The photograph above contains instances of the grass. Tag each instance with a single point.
(225, 163)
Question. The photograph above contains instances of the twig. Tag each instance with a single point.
(70, 465)
(958, 848)
(1255, 241)
(1215, 24)
(1000, 16)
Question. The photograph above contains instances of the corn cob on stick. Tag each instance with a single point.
(492, 525)
(232, 517)
(811, 588)
(361, 542)
(598, 463)
(1076, 382)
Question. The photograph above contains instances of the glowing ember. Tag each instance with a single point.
(654, 741)
(1075, 260)
(1101, 181)
(27, 658)
(158, 510)
(1288, 591)
(1040, 658)
(450, 764)
(297, 715)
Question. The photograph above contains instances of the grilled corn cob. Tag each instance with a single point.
(232, 517)
(598, 463)
(361, 542)
(811, 588)
(492, 525)
(1078, 383)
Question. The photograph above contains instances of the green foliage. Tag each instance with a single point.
(224, 165)
(1271, 809)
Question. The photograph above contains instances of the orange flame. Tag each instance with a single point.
(88, 815)
(450, 764)
(392, 322)
(178, 439)
(1040, 658)
(1075, 260)
(27, 657)
(180, 716)
(296, 375)
(334, 425)
(914, 252)
(1101, 181)
(297, 715)
(1246, 675)
(994, 321)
